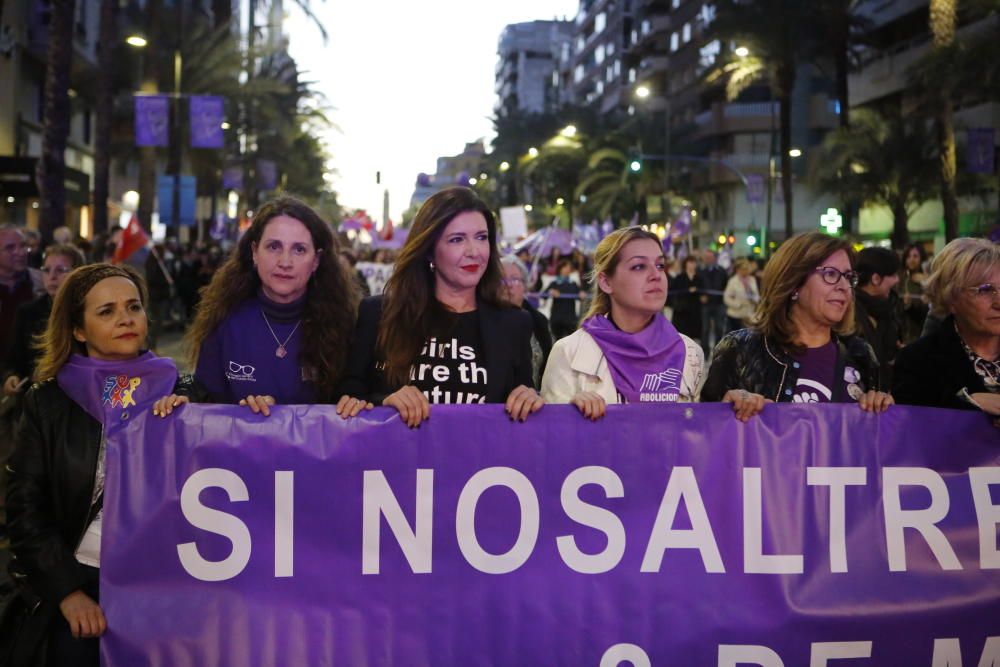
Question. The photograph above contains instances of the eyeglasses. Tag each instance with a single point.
(13, 248)
(832, 275)
(986, 291)
(508, 282)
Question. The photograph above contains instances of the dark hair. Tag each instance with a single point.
(876, 261)
(564, 263)
(56, 343)
(410, 312)
(331, 295)
(70, 252)
(914, 246)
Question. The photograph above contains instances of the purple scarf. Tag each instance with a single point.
(646, 366)
(107, 389)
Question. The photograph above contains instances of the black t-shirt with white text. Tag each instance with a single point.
(450, 369)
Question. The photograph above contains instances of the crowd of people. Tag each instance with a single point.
(282, 319)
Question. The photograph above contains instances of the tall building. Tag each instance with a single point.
(451, 170)
(593, 71)
(899, 38)
(528, 55)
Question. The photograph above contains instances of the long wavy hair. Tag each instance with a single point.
(331, 303)
(410, 312)
(56, 343)
(606, 259)
(789, 268)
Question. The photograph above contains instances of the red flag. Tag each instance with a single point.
(133, 238)
(387, 230)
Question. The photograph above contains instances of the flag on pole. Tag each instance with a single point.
(133, 238)
(387, 230)
(207, 115)
(152, 120)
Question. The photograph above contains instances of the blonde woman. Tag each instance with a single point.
(741, 296)
(958, 365)
(626, 351)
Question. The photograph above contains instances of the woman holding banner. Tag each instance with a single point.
(626, 351)
(800, 348)
(958, 365)
(441, 332)
(273, 325)
(91, 370)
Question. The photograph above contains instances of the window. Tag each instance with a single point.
(676, 4)
(687, 33)
(599, 54)
(674, 42)
(600, 88)
(609, 75)
(609, 50)
(578, 74)
(618, 68)
(645, 27)
(600, 22)
(631, 75)
(580, 43)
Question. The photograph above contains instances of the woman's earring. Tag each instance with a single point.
(795, 296)
(431, 265)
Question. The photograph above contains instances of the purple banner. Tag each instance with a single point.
(152, 120)
(659, 535)
(207, 115)
(755, 188)
(267, 174)
(980, 150)
(232, 178)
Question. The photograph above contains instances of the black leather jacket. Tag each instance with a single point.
(51, 482)
(745, 359)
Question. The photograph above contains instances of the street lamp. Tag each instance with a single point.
(528, 207)
(569, 131)
(560, 201)
(504, 166)
(794, 152)
(533, 152)
(138, 41)
(642, 92)
(742, 51)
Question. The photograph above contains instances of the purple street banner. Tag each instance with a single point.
(660, 535)
(267, 174)
(152, 120)
(232, 178)
(980, 150)
(755, 188)
(207, 114)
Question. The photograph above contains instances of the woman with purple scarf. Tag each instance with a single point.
(626, 351)
(93, 369)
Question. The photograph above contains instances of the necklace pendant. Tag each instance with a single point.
(281, 352)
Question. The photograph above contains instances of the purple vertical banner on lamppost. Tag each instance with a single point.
(207, 115)
(232, 178)
(152, 120)
(980, 157)
(267, 174)
(755, 188)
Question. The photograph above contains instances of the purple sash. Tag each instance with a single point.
(104, 387)
(646, 366)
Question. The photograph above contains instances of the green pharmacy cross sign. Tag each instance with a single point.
(832, 221)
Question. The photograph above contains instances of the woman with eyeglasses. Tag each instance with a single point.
(515, 276)
(801, 347)
(31, 317)
(275, 323)
(958, 365)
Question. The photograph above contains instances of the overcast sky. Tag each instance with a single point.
(409, 81)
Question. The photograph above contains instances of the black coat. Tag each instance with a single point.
(30, 321)
(506, 339)
(932, 370)
(745, 359)
(49, 491)
(686, 304)
(884, 334)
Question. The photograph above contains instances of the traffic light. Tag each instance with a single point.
(634, 160)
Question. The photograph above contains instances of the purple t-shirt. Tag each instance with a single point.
(817, 375)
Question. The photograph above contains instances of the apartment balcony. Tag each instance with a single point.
(652, 65)
(737, 118)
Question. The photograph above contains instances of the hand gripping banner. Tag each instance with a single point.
(812, 535)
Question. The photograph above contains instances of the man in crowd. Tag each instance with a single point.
(878, 308)
(18, 283)
(712, 280)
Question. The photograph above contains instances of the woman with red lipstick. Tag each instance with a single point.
(626, 351)
(442, 331)
(273, 325)
(95, 334)
(800, 348)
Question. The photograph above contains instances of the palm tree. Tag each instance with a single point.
(772, 31)
(52, 164)
(105, 110)
(610, 186)
(943, 20)
(880, 161)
